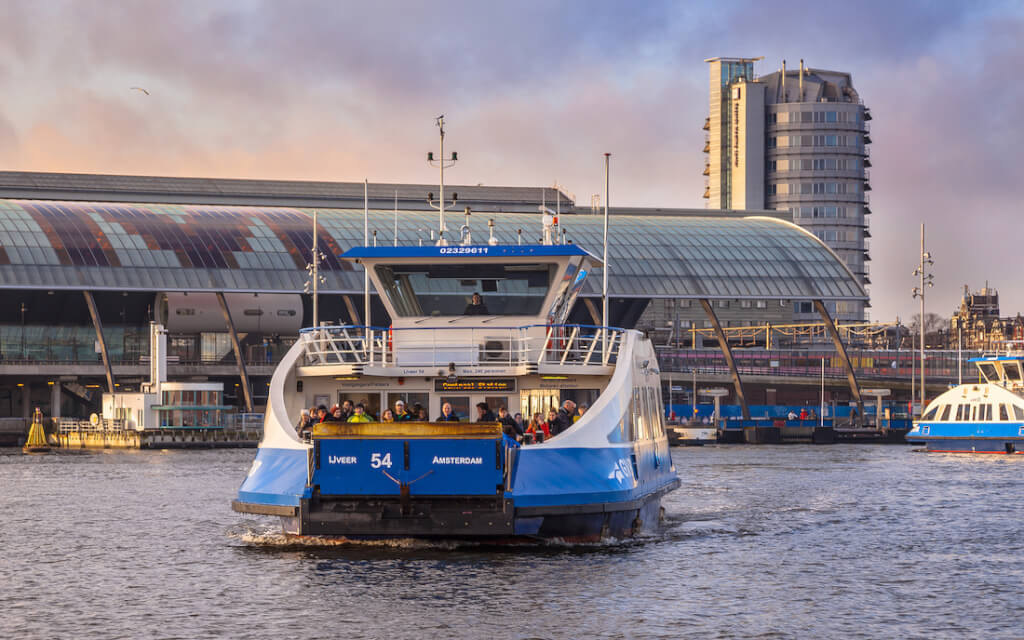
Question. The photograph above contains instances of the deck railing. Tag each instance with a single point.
(569, 345)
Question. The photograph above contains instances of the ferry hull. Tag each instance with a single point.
(973, 445)
(467, 519)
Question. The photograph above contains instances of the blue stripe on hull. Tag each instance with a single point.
(277, 477)
(973, 445)
(579, 476)
(967, 430)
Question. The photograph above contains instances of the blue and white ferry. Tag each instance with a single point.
(602, 477)
(982, 417)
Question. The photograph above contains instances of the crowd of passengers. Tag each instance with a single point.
(514, 428)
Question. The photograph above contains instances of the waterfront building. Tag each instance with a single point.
(977, 326)
(87, 262)
(795, 140)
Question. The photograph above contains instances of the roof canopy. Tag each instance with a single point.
(163, 247)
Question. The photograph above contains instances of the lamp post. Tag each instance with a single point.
(441, 163)
(918, 291)
(315, 279)
(23, 310)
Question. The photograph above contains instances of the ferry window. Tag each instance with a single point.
(964, 412)
(640, 414)
(985, 413)
(988, 370)
(930, 414)
(1004, 415)
(945, 412)
(1012, 370)
(1018, 413)
(447, 290)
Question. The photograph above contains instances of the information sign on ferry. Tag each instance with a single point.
(473, 385)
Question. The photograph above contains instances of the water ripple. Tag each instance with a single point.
(759, 542)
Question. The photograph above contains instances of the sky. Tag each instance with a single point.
(534, 92)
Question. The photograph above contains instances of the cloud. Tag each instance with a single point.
(534, 91)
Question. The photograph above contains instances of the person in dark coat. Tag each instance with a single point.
(508, 421)
(476, 306)
(565, 416)
(484, 413)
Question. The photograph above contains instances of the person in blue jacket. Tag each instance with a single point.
(447, 414)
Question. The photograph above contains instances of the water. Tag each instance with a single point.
(839, 541)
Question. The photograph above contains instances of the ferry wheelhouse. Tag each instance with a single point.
(603, 476)
(982, 417)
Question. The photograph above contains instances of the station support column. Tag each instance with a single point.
(851, 375)
(237, 346)
(55, 394)
(95, 314)
(723, 344)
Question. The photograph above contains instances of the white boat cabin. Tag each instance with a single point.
(470, 324)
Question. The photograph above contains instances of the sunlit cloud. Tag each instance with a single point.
(533, 92)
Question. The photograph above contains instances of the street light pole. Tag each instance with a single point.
(918, 291)
(604, 267)
(441, 163)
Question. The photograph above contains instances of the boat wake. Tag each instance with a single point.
(258, 535)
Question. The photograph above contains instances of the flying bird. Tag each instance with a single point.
(139, 89)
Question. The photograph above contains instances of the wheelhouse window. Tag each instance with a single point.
(945, 412)
(1004, 415)
(1012, 370)
(989, 371)
(447, 290)
(930, 414)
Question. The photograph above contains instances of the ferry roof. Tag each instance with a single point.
(116, 246)
(462, 252)
(1007, 358)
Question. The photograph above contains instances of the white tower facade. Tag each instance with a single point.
(809, 129)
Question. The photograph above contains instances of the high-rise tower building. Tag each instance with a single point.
(793, 140)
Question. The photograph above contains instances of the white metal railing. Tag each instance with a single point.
(359, 346)
(244, 421)
(73, 425)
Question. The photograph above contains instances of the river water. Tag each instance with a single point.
(842, 541)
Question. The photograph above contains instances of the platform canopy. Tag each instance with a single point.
(48, 244)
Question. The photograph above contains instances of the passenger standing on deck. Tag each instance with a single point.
(400, 414)
(564, 419)
(506, 419)
(359, 414)
(387, 416)
(305, 423)
(579, 413)
(476, 307)
(419, 413)
(538, 428)
(447, 415)
(549, 425)
(803, 414)
(508, 436)
(321, 413)
(484, 413)
(346, 410)
(337, 415)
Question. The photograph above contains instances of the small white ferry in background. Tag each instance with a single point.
(604, 476)
(981, 417)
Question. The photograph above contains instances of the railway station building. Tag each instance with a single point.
(87, 262)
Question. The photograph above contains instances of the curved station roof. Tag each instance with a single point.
(50, 244)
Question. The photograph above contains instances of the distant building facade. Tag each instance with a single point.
(976, 324)
(794, 140)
